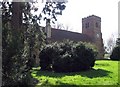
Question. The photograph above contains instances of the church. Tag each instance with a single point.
(91, 32)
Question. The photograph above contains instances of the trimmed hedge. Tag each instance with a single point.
(67, 56)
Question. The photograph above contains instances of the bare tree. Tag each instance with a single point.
(111, 43)
(67, 27)
(61, 26)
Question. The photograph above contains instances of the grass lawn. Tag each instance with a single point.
(105, 72)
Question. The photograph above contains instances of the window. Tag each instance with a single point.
(87, 25)
(96, 24)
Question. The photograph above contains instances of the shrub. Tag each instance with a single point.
(85, 57)
(46, 56)
(67, 56)
(115, 53)
(63, 63)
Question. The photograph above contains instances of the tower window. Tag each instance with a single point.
(87, 25)
(96, 24)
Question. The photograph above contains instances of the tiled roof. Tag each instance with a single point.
(59, 35)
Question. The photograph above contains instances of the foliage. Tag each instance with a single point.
(85, 57)
(115, 53)
(67, 56)
(14, 62)
(52, 9)
(45, 60)
(105, 72)
(18, 44)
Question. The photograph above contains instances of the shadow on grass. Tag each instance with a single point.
(102, 64)
(93, 73)
(34, 82)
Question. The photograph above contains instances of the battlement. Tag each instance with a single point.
(92, 17)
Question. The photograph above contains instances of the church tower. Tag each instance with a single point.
(91, 26)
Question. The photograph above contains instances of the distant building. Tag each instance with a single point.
(91, 32)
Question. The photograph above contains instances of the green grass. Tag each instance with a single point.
(105, 72)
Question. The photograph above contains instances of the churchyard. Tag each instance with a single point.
(105, 72)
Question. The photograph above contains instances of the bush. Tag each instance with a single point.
(115, 53)
(47, 55)
(67, 56)
(85, 57)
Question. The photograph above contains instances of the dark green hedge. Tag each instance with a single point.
(115, 53)
(67, 56)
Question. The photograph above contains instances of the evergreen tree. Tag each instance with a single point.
(115, 55)
(20, 36)
(17, 43)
